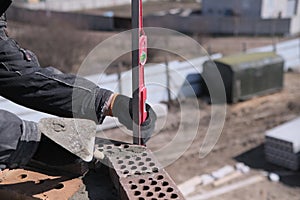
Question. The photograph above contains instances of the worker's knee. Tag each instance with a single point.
(19, 140)
(10, 132)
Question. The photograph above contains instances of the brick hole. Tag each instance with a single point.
(133, 187)
(144, 168)
(138, 158)
(142, 181)
(137, 193)
(170, 189)
(126, 146)
(160, 177)
(161, 195)
(155, 170)
(130, 182)
(120, 161)
(100, 145)
(174, 196)
(117, 145)
(154, 199)
(146, 187)
(165, 183)
(141, 198)
(126, 172)
(59, 186)
(123, 167)
(152, 164)
(137, 173)
(127, 157)
(130, 162)
(22, 176)
(148, 159)
(157, 189)
(109, 147)
(144, 154)
(40, 182)
(153, 183)
(133, 167)
(149, 194)
(141, 163)
(110, 152)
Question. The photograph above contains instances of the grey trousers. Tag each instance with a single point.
(21, 141)
(18, 140)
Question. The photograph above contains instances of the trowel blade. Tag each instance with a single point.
(75, 135)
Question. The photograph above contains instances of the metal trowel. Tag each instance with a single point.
(75, 135)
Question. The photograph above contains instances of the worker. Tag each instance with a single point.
(24, 82)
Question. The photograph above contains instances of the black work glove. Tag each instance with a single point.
(122, 109)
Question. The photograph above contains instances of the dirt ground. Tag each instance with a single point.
(241, 140)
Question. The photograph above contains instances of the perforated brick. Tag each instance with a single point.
(137, 174)
(150, 187)
(129, 160)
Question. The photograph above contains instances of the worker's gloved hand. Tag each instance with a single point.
(121, 107)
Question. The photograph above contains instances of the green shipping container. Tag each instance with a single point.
(247, 75)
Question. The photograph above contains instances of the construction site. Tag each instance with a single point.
(225, 89)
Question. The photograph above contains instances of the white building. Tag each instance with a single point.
(280, 8)
(288, 10)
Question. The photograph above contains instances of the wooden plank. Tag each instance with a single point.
(227, 178)
(189, 186)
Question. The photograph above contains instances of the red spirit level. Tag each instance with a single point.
(139, 58)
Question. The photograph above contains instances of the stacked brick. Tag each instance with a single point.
(282, 145)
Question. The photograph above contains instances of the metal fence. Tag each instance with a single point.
(221, 25)
(70, 5)
(195, 24)
(77, 20)
(289, 50)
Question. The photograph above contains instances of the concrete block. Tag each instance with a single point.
(207, 179)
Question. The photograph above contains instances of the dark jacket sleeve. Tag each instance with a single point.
(23, 81)
(4, 4)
